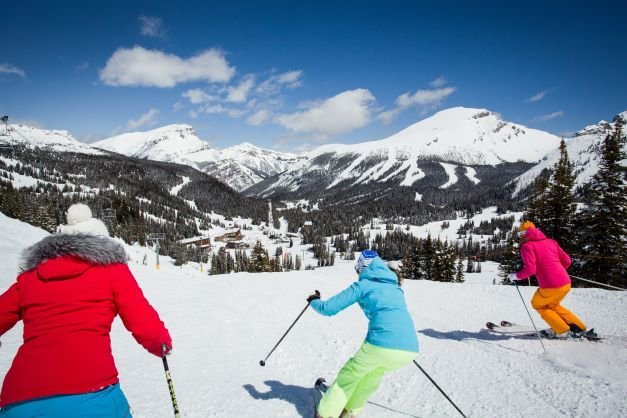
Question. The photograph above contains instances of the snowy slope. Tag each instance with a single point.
(222, 326)
(53, 140)
(584, 152)
(463, 136)
(239, 166)
(167, 143)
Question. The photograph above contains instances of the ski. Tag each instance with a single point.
(320, 387)
(512, 329)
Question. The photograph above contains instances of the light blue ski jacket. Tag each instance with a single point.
(383, 302)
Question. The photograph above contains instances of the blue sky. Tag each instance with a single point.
(291, 75)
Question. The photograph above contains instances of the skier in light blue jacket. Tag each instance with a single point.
(390, 344)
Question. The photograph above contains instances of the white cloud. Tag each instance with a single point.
(218, 108)
(339, 114)
(240, 93)
(151, 26)
(196, 96)
(275, 83)
(439, 82)
(550, 116)
(147, 119)
(10, 69)
(429, 99)
(389, 115)
(259, 117)
(424, 97)
(138, 66)
(537, 97)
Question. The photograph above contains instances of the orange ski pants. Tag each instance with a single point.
(547, 303)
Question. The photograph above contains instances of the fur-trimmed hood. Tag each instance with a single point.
(90, 248)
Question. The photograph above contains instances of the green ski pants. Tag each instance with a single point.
(360, 377)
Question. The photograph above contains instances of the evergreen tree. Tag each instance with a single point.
(560, 201)
(510, 260)
(459, 273)
(470, 266)
(259, 261)
(428, 256)
(411, 264)
(537, 210)
(604, 221)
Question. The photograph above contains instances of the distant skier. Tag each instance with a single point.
(72, 286)
(548, 261)
(390, 344)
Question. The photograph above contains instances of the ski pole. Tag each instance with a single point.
(439, 388)
(599, 283)
(532, 323)
(169, 380)
(263, 362)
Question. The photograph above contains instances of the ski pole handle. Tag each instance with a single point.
(169, 380)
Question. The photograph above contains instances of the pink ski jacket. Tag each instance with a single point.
(543, 257)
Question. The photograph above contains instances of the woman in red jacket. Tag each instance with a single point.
(72, 286)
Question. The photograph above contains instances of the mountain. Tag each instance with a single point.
(168, 143)
(451, 144)
(51, 140)
(584, 152)
(240, 166)
(135, 196)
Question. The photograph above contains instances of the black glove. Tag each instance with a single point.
(315, 295)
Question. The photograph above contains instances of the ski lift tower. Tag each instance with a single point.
(156, 236)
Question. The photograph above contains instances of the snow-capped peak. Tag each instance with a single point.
(461, 135)
(167, 143)
(239, 166)
(54, 140)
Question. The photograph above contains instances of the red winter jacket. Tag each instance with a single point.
(72, 290)
(544, 258)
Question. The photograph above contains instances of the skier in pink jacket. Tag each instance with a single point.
(544, 257)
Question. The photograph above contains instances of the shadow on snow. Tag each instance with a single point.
(483, 334)
(300, 397)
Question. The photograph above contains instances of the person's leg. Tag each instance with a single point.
(568, 317)
(547, 303)
(347, 380)
(388, 360)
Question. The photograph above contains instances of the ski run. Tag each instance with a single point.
(223, 325)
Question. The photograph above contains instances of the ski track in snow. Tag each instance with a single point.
(222, 326)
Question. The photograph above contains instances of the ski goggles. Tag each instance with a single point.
(521, 234)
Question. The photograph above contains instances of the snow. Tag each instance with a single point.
(584, 153)
(450, 172)
(223, 325)
(176, 189)
(54, 140)
(465, 136)
(239, 166)
(471, 174)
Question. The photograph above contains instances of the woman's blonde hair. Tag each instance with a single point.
(396, 271)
